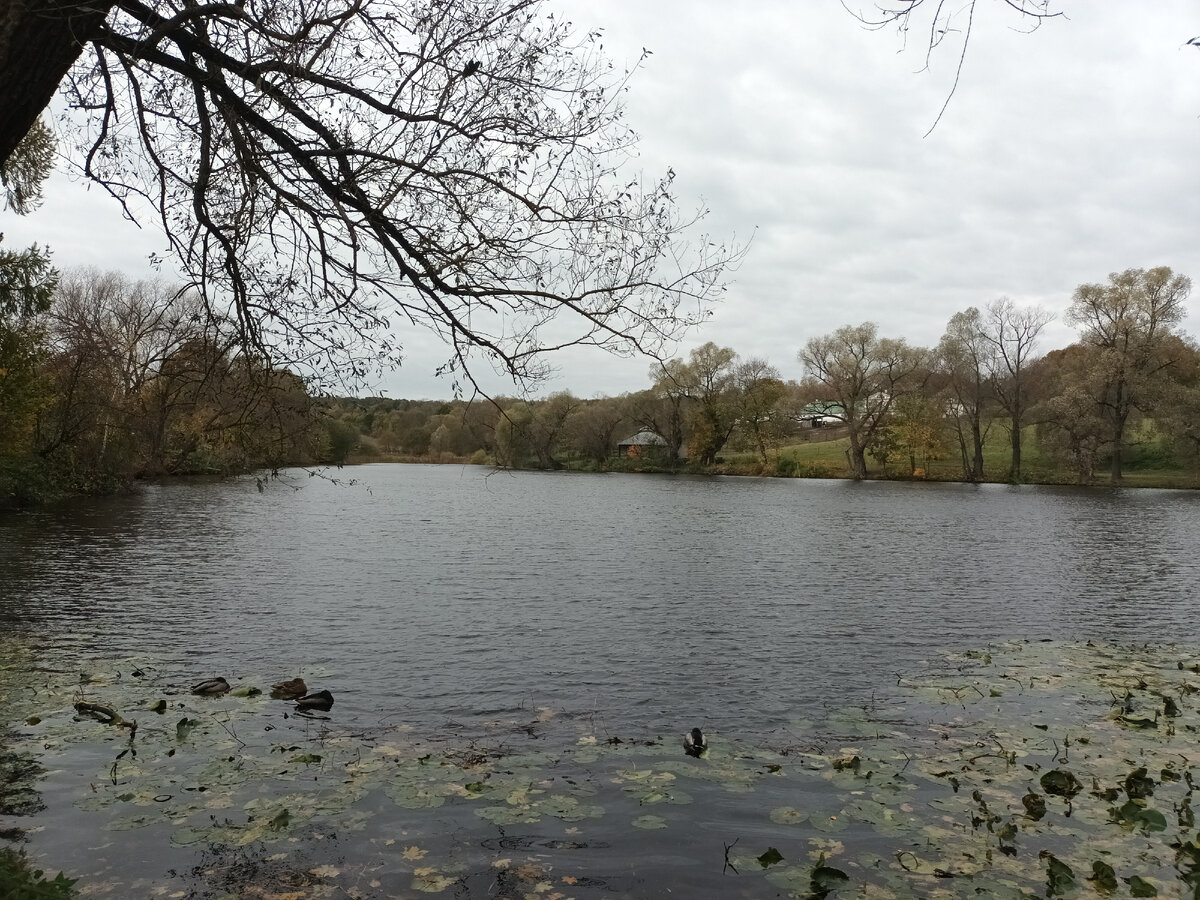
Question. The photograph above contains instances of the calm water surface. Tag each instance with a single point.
(439, 596)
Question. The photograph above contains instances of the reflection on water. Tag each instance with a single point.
(433, 595)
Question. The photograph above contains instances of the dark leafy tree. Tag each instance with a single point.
(23, 173)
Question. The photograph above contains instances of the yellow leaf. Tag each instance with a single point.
(570, 879)
(325, 872)
(414, 853)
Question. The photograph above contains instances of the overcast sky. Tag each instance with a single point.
(1065, 154)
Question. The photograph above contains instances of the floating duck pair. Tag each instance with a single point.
(295, 689)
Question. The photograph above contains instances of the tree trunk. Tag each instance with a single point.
(977, 439)
(1118, 441)
(1120, 417)
(39, 42)
(962, 452)
(858, 458)
(1015, 471)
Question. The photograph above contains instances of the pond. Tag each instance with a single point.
(514, 658)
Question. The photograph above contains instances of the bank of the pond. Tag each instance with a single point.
(788, 463)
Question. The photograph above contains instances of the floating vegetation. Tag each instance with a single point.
(1020, 770)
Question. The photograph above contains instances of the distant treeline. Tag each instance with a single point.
(1128, 389)
(104, 380)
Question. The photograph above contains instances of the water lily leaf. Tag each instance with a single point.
(1061, 783)
(1136, 816)
(826, 878)
(509, 815)
(430, 881)
(1060, 878)
(1137, 785)
(1035, 806)
(1139, 887)
(770, 857)
(306, 758)
(788, 815)
(1103, 878)
(649, 822)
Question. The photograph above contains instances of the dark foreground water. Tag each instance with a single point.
(503, 614)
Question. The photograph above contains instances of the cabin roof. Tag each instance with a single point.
(644, 439)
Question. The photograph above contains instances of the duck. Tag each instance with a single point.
(289, 690)
(694, 743)
(211, 687)
(321, 700)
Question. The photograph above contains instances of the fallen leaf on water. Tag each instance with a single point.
(414, 853)
(325, 871)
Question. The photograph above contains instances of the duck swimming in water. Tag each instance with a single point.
(694, 743)
(292, 689)
(321, 700)
(212, 687)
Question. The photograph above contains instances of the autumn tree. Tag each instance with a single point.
(327, 171)
(1012, 333)
(707, 382)
(661, 409)
(917, 428)
(512, 448)
(547, 428)
(1070, 426)
(1178, 415)
(113, 335)
(1129, 323)
(965, 360)
(594, 428)
(757, 393)
(859, 376)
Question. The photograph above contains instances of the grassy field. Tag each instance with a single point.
(1147, 465)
